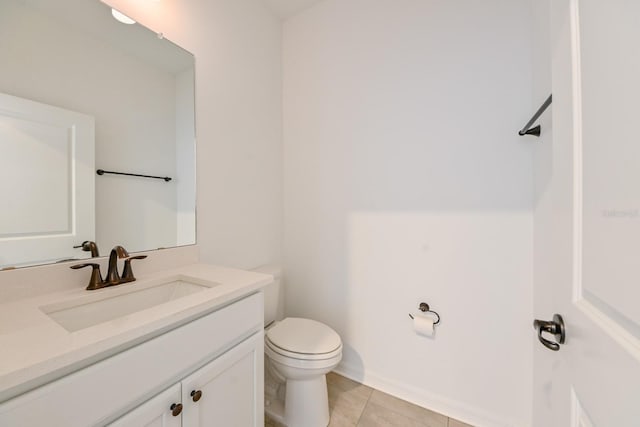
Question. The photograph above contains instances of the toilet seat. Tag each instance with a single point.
(309, 365)
(303, 339)
(274, 349)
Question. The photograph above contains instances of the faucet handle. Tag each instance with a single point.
(127, 272)
(89, 246)
(95, 281)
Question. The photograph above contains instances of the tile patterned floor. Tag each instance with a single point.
(355, 405)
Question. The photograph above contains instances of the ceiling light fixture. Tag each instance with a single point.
(122, 17)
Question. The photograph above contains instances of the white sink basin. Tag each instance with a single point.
(90, 311)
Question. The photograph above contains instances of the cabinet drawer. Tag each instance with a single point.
(101, 392)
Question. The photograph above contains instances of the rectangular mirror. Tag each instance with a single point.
(81, 92)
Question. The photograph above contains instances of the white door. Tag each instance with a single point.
(46, 182)
(229, 390)
(587, 219)
(160, 411)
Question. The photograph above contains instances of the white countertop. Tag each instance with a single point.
(34, 349)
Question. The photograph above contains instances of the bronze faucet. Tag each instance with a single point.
(89, 246)
(113, 277)
(127, 271)
(95, 281)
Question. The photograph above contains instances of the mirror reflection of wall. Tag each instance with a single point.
(139, 89)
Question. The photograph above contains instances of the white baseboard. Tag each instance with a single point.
(426, 399)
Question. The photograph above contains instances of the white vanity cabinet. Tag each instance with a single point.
(225, 392)
(219, 354)
(157, 412)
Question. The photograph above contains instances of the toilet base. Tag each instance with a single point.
(306, 404)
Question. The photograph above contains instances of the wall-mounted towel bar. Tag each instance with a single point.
(527, 129)
(102, 172)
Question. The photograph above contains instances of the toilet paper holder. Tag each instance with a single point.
(424, 307)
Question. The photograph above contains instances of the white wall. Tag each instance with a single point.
(545, 216)
(405, 181)
(185, 158)
(120, 91)
(237, 45)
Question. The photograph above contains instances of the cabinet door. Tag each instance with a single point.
(156, 412)
(228, 390)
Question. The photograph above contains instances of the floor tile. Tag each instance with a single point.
(347, 400)
(409, 410)
(340, 420)
(268, 422)
(379, 416)
(346, 384)
(352, 404)
(456, 423)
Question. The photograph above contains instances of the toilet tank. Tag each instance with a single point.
(273, 294)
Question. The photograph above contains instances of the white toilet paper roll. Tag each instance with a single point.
(423, 324)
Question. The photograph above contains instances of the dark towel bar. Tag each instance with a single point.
(527, 129)
(102, 172)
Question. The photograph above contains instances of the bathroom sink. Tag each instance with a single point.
(85, 312)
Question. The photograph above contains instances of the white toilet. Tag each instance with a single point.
(298, 354)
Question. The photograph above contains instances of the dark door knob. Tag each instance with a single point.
(176, 409)
(554, 327)
(196, 395)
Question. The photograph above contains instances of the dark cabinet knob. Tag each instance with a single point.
(196, 395)
(176, 409)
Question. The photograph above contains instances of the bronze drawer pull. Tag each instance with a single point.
(176, 409)
(196, 395)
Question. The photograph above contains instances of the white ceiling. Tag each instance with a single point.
(287, 8)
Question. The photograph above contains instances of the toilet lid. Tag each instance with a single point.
(304, 336)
